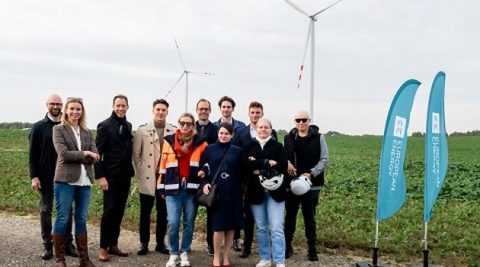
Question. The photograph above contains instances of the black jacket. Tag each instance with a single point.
(312, 151)
(209, 131)
(42, 154)
(272, 150)
(114, 144)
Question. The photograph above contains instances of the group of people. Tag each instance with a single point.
(251, 170)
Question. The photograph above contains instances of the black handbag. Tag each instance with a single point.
(213, 195)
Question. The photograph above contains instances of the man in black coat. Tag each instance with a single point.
(307, 154)
(114, 173)
(42, 162)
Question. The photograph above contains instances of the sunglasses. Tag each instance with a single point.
(185, 123)
(301, 120)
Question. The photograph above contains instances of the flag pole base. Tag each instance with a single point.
(374, 262)
(425, 260)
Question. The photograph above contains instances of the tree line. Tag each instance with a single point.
(281, 132)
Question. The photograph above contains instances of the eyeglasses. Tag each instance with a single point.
(185, 123)
(55, 104)
(301, 120)
(75, 99)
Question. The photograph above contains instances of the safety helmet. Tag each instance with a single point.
(300, 185)
(271, 180)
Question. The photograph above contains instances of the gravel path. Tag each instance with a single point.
(20, 245)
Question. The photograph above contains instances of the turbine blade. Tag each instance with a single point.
(203, 73)
(179, 79)
(296, 8)
(180, 54)
(307, 44)
(334, 3)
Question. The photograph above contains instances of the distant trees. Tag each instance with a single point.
(15, 125)
(469, 133)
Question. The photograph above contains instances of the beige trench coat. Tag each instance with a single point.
(146, 155)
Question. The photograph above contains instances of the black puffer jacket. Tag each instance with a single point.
(311, 152)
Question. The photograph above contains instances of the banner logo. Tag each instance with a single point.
(399, 127)
(435, 123)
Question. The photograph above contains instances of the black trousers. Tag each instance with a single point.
(114, 202)
(146, 205)
(309, 203)
(209, 228)
(46, 206)
(249, 227)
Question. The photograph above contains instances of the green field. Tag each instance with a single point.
(346, 215)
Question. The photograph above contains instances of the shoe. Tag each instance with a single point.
(47, 252)
(312, 254)
(172, 261)
(264, 263)
(236, 245)
(103, 255)
(245, 253)
(184, 260)
(288, 252)
(117, 252)
(142, 249)
(70, 250)
(162, 249)
(210, 250)
(280, 264)
(213, 265)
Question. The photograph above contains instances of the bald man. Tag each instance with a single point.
(42, 162)
(307, 154)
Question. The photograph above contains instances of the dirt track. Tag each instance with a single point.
(20, 245)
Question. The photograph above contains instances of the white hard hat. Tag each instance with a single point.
(272, 183)
(300, 185)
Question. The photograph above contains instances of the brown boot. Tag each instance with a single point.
(82, 248)
(58, 240)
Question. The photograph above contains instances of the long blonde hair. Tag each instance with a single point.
(82, 122)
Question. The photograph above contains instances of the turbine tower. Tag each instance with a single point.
(184, 73)
(310, 41)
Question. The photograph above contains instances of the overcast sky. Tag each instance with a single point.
(364, 51)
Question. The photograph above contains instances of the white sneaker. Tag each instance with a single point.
(264, 263)
(280, 265)
(172, 261)
(184, 260)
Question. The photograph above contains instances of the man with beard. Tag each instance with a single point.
(42, 162)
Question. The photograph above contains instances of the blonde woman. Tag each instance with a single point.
(74, 177)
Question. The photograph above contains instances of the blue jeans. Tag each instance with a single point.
(270, 214)
(65, 194)
(175, 204)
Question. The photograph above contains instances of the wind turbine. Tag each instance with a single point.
(311, 38)
(184, 73)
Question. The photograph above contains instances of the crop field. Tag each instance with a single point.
(346, 213)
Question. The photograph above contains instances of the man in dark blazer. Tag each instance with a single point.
(42, 162)
(242, 138)
(114, 172)
(208, 130)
